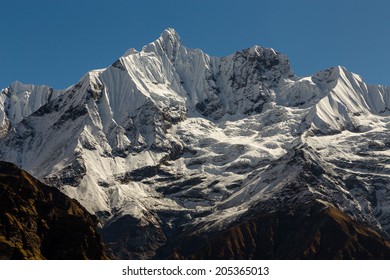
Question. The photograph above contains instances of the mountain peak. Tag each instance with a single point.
(170, 35)
(168, 43)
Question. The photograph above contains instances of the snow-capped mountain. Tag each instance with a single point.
(169, 142)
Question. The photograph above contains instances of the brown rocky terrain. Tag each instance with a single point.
(316, 232)
(40, 222)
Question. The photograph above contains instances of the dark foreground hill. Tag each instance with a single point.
(40, 222)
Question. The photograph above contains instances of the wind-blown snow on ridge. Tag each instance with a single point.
(349, 102)
(169, 139)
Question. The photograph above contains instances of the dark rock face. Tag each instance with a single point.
(129, 238)
(314, 232)
(39, 222)
(70, 175)
(242, 83)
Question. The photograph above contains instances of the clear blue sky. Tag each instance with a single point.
(56, 42)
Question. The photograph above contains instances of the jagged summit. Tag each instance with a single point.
(168, 40)
(170, 35)
(168, 44)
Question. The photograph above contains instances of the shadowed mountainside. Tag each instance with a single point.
(316, 232)
(40, 222)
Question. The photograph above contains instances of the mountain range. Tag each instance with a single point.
(183, 155)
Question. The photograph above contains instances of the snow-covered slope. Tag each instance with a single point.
(350, 103)
(19, 101)
(169, 139)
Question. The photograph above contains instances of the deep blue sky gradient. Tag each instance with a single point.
(56, 42)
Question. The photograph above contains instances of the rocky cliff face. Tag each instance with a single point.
(168, 141)
(39, 222)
